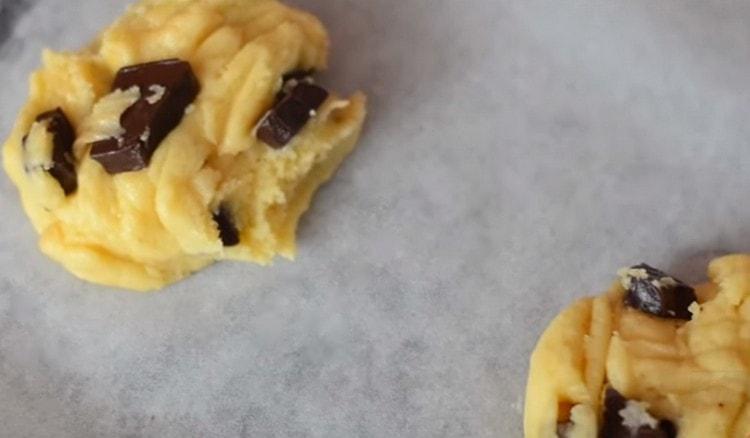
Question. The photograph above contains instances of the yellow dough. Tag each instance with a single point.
(142, 230)
(693, 373)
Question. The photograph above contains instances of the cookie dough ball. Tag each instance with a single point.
(653, 357)
(190, 131)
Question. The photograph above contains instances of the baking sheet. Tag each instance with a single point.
(517, 153)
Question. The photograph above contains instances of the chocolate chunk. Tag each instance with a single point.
(291, 114)
(167, 89)
(118, 155)
(227, 230)
(628, 419)
(298, 75)
(652, 291)
(62, 166)
(290, 80)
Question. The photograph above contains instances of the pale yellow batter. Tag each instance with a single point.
(694, 373)
(142, 230)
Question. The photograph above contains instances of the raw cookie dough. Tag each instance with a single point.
(659, 373)
(212, 189)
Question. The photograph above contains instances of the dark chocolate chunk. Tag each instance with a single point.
(63, 167)
(167, 88)
(298, 75)
(652, 291)
(227, 230)
(291, 114)
(290, 80)
(624, 420)
(118, 155)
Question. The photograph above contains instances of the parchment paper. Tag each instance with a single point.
(517, 154)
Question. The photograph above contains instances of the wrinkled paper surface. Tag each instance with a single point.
(517, 153)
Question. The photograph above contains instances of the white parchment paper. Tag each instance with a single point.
(517, 153)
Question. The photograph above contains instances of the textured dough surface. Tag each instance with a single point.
(142, 230)
(693, 373)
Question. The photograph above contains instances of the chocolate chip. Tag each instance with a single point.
(291, 114)
(668, 427)
(62, 165)
(625, 418)
(118, 155)
(290, 80)
(167, 88)
(652, 291)
(298, 75)
(227, 230)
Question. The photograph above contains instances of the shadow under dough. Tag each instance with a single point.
(691, 262)
(398, 63)
(10, 11)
